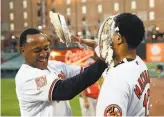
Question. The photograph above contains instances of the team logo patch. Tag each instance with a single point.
(113, 110)
(41, 81)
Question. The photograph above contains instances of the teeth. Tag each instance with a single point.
(42, 60)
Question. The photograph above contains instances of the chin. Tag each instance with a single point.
(42, 66)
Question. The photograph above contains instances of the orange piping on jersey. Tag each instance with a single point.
(51, 88)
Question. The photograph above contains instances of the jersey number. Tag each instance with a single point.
(146, 102)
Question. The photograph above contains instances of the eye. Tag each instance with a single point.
(47, 48)
(37, 50)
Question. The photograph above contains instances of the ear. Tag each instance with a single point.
(119, 38)
(22, 50)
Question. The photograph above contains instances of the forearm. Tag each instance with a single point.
(69, 88)
(89, 42)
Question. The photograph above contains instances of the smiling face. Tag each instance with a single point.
(36, 50)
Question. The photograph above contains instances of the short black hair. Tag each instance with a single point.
(131, 27)
(29, 31)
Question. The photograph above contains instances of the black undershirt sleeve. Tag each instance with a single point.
(69, 88)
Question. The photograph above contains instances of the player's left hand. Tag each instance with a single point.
(86, 104)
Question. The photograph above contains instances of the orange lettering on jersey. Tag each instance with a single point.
(62, 75)
(113, 110)
(146, 102)
(144, 76)
(148, 92)
(141, 84)
(41, 81)
(143, 80)
(137, 91)
(147, 76)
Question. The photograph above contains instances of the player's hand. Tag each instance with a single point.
(86, 104)
(75, 39)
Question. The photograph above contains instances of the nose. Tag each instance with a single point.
(43, 53)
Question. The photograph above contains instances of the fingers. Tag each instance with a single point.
(75, 38)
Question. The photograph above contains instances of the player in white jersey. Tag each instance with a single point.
(43, 87)
(126, 90)
(126, 87)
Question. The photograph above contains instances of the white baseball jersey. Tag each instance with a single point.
(34, 89)
(125, 91)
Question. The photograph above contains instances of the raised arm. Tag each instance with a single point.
(69, 88)
(88, 42)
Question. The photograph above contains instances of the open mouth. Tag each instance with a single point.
(40, 59)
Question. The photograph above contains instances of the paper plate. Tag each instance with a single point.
(61, 28)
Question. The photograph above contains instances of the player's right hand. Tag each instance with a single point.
(75, 39)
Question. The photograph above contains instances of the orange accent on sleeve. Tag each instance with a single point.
(51, 88)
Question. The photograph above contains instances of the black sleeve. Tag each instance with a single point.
(69, 88)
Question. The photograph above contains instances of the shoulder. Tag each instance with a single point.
(120, 70)
(125, 74)
(118, 74)
(57, 66)
(26, 73)
(122, 73)
(117, 78)
(129, 66)
(60, 65)
(53, 63)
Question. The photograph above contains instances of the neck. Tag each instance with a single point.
(131, 53)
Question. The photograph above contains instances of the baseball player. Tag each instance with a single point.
(43, 87)
(126, 87)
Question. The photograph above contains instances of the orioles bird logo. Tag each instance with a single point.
(113, 110)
